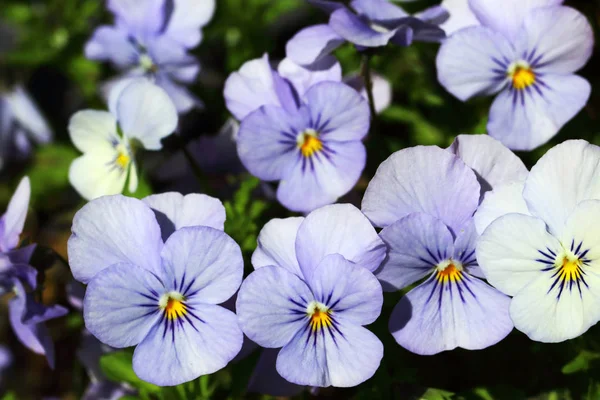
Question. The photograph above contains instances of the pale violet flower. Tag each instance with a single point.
(140, 117)
(540, 243)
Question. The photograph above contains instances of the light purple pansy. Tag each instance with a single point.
(26, 316)
(367, 23)
(527, 53)
(424, 199)
(156, 271)
(21, 125)
(151, 38)
(540, 243)
(311, 293)
(304, 131)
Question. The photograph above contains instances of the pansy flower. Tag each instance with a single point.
(156, 271)
(26, 316)
(543, 246)
(367, 23)
(151, 38)
(306, 134)
(311, 293)
(21, 124)
(424, 199)
(140, 117)
(527, 52)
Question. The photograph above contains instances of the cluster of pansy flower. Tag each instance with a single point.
(18, 277)
(151, 38)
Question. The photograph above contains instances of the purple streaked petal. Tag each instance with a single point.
(508, 17)
(203, 264)
(326, 69)
(350, 291)
(464, 249)
(338, 112)
(565, 176)
(112, 44)
(378, 10)
(111, 230)
(175, 211)
(527, 119)
(492, 162)
(271, 306)
(357, 30)
(121, 304)
(338, 229)
(187, 19)
(267, 141)
(266, 380)
(188, 350)
(513, 250)
(504, 199)
(13, 220)
(277, 245)
(416, 244)
(474, 62)
(312, 44)
(342, 357)
(435, 316)
(557, 40)
(422, 179)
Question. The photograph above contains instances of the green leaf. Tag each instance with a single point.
(580, 363)
(436, 394)
(118, 367)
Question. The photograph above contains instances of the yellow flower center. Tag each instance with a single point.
(320, 316)
(449, 270)
(123, 160)
(309, 143)
(173, 305)
(570, 270)
(522, 76)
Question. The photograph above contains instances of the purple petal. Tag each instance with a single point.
(416, 243)
(266, 380)
(13, 221)
(112, 44)
(378, 10)
(461, 16)
(121, 304)
(143, 19)
(174, 211)
(326, 69)
(186, 20)
(437, 316)
(435, 15)
(358, 31)
(277, 245)
(474, 61)
(183, 99)
(174, 353)
(326, 5)
(312, 44)
(527, 119)
(493, 163)
(506, 18)
(272, 305)
(350, 291)
(422, 179)
(203, 264)
(111, 230)
(338, 229)
(29, 117)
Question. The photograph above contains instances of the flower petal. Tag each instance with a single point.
(357, 31)
(461, 16)
(326, 69)
(143, 19)
(13, 220)
(437, 316)
(121, 304)
(492, 162)
(180, 353)
(474, 62)
(350, 291)
(111, 43)
(416, 244)
(378, 10)
(513, 250)
(95, 174)
(271, 306)
(505, 199)
(582, 232)
(182, 98)
(175, 211)
(204, 264)
(338, 229)
(526, 119)
(565, 176)
(338, 112)
(312, 44)
(345, 358)
(422, 179)
(561, 38)
(145, 112)
(28, 115)
(508, 18)
(277, 245)
(187, 19)
(93, 131)
(111, 230)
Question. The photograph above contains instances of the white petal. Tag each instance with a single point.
(93, 131)
(505, 199)
(95, 174)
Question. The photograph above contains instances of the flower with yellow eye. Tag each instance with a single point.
(142, 115)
